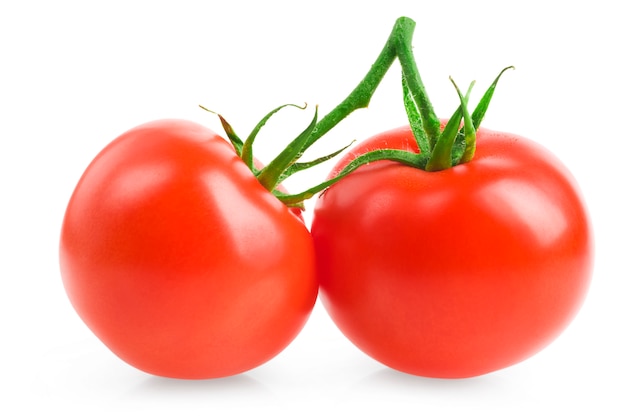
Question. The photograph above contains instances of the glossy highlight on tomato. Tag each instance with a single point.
(178, 259)
(459, 272)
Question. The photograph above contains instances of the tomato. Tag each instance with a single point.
(178, 259)
(459, 272)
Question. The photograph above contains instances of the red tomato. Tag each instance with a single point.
(454, 273)
(178, 259)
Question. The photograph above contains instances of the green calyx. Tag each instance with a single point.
(285, 164)
(439, 149)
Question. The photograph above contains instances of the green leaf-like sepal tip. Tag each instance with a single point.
(286, 163)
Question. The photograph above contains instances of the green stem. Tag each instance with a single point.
(361, 95)
(441, 157)
(246, 148)
(398, 45)
(407, 158)
(431, 123)
(438, 150)
(271, 174)
(468, 128)
(415, 119)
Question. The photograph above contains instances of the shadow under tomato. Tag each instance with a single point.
(218, 389)
(500, 384)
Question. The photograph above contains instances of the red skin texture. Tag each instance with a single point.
(454, 273)
(178, 259)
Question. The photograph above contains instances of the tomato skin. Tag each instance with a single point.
(178, 259)
(455, 273)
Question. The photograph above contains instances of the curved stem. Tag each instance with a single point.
(414, 82)
(271, 174)
(361, 95)
(468, 128)
(246, 148)
(400, 156)
(438, 150)
(398, 45)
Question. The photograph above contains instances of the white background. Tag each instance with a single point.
(74, 75)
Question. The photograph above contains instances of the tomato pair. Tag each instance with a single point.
(185, 266)
(440, 250)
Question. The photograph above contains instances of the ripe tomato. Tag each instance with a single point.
(459, 272)
(178, 259)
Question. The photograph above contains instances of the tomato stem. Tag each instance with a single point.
(398, 45)
(361, 95)
(269, 176)
(415, 119)
(439, 149)
(246, 150)
(443, 152)
(468, 127)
